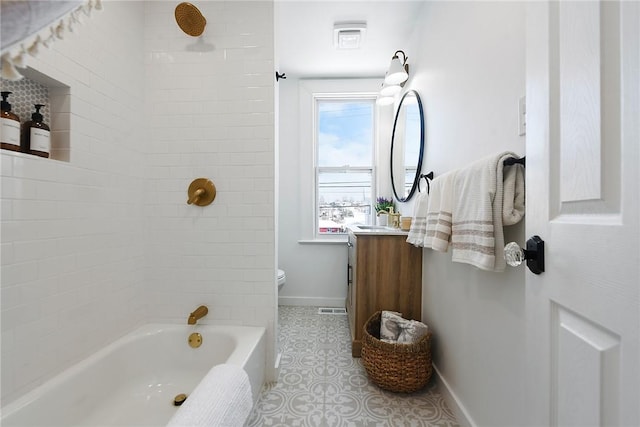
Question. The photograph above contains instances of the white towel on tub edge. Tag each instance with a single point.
(222, 399)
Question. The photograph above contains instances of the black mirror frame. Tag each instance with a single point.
(393, 135)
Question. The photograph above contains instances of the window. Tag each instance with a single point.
(331, 166)
(344, 159)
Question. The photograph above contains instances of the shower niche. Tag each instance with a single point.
(38, 88)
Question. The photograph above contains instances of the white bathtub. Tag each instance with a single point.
(132, 382)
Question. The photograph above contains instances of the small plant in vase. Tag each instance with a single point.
(382, 210)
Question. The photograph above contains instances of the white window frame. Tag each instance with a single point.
(310, 92)
(317, 98)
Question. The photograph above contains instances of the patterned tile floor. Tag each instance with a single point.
(320, 384)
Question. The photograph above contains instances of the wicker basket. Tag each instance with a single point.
(402, 368)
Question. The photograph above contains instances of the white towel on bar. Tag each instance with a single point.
(419, 221)
(439, 212)
(513, 201)
(223, 398)
(477, 235)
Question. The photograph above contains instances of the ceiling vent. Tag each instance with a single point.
(349, 35)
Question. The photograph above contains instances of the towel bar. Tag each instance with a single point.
(427, 177)
(508, 162)
(513, 161)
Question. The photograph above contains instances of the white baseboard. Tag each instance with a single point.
(461, 413)
(312, 301)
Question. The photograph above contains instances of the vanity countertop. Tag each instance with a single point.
(362, 229)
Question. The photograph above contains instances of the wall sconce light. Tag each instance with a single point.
(385, 100)
(394, 80)
(398, 71)
(390, 90)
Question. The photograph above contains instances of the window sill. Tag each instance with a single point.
(324, 241)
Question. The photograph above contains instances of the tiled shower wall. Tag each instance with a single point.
(93, 247)
(72, 232)
(209, 111)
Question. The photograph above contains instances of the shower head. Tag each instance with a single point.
(189, 19)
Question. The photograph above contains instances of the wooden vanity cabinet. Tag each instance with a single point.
(384, 272)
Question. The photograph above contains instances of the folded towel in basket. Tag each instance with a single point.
(395, 329)
(411, 331)
(390, 326)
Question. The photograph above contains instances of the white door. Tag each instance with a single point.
(583, 134)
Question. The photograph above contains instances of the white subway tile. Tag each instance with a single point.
(6, 164)
(34, 249)
(138, 136)
(40, 288)
(7, 354)
(11, 297)
(18, 273)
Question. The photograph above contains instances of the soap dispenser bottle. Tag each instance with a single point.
(36, 136)
(9, 126)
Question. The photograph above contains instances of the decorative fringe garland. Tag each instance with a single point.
(17, 56)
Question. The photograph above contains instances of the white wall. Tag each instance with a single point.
(93, 247)
(316, 272)
(468, 67)
(72, 232)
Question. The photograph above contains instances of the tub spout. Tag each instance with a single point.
(199, 313)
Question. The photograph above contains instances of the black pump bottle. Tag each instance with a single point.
(36, 135)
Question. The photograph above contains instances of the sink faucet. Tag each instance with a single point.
(199, 313)
(394, 218)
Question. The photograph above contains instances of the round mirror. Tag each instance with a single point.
(407, 146)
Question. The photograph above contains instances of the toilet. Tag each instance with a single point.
(281, 279)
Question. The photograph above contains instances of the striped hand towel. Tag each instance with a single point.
(419, 221)
(477, 234)
(438, 231)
